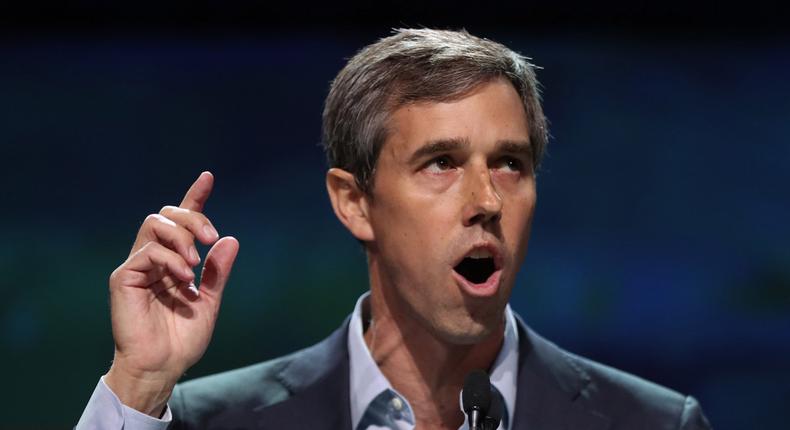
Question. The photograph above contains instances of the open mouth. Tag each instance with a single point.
(479, 272)
(476, 269)
(479, 264)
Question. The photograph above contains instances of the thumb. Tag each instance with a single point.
(219, 262)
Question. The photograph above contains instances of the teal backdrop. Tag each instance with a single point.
(660, 243)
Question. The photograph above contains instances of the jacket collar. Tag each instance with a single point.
(318, 381)
(552, 389)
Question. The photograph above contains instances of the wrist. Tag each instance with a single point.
(147, 392)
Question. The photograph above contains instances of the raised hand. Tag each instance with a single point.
(161, 322)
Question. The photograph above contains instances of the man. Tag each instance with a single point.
(433, 138)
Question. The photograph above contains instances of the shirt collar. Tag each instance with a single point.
(367, 381)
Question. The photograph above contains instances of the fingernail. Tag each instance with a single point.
(194, 289)
(209, 230)
(193, 255)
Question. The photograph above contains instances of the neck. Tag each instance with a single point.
(426, 370)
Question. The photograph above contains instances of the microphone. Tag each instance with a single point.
(476, 398)
(495, 411)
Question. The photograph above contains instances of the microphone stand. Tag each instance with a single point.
(475, 423)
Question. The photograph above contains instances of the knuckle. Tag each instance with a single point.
(114, 276)
(167, 209)
(119, 276)
(155, 219)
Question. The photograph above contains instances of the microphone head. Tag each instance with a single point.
(495, 411)
(477, 392)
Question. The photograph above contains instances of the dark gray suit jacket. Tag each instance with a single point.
(309, 389)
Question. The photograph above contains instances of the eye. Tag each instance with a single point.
(439, 164)
(511, 163)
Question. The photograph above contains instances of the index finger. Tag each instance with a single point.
(198, 193)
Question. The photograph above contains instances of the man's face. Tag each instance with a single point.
(453, 198)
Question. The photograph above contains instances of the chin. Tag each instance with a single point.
(465, 332)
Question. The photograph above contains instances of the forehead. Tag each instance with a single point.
(491, 113)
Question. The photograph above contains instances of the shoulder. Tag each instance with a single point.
(230, 395)
(624, 400)
(235, 398)
(238, 384)
(634, 401)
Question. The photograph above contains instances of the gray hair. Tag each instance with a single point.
(416, 65)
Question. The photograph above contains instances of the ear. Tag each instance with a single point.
(350, 203)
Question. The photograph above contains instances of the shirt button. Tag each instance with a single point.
(397, 403)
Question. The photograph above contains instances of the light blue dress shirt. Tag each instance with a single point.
(374, 403)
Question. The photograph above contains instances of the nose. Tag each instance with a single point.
(484, 204)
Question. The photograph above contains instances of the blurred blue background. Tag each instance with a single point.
(660, 244)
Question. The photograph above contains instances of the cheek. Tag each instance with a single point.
(426, 213)
(517, 219)
(423, 260)
(412, 230)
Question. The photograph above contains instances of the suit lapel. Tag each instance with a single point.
(551, 388)
(319, 382)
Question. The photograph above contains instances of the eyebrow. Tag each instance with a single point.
(515, 147)
(440, 146)
(434, 147)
